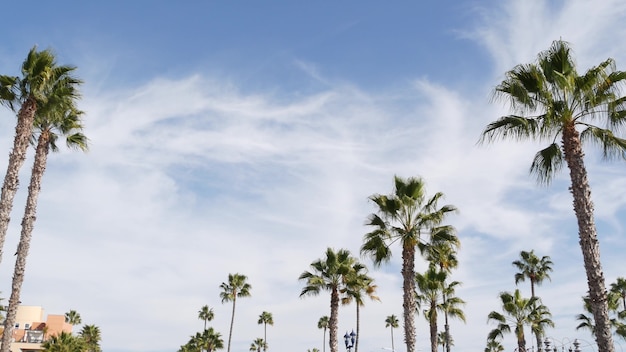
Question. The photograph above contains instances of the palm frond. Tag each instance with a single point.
(612, 146)
(547, 163)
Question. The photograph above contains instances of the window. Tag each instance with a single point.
(17, 325)
(26, 326)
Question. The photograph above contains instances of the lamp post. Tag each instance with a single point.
(349, 339)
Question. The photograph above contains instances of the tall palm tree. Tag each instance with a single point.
(206, 314)
(329, 274)
(91, 335)
(358, 285)
(391, 322)
(258, 344)
(323, 324)
(533, 268)
(265, 318)
(404, 217)
(45, 91)
(235, 287)
(619, 287)
(56, 117)
(42, 80)
(550, 101)
(517, 312)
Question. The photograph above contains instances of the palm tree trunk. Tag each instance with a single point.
(583, 207)
(446, 326)
(433, 326)
(28, 223)
(408, 304)
(232, 320)
(265, 336)
(324, 341)
(358, 333)
(23, 129)
(333, 321)
(393, 349)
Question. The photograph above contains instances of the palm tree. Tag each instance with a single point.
(358, 285)
(403, 217)
(42, 80)
(57, 116)
(265, 318)
(494, 346)
(91, 336)
(206, 314)
(442, 254)
(64, 342)
(429, 293)
(551, 101)
(517, 312)
(45, 92)
(73, 317)
(213, 340)
(532, 268)
(615, 317)
(258, 344)
(323, 324)
(236, 287)
(619, 287)
(451, 309)
(539, 320)
(329, 274)
(391, 322)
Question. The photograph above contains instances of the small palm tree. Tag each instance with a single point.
(258, 344)
(265, 318)
(517, 312)
(64, 342)
(323, 324)
(533, 268)
(235, 287)
(619, 287)
(73, 317)
(391, 322)
(91, 335)
(404, 217)
(329, 274)
(429, 292)
(615, 317)
(358, 285)
(494, 346)
(206, 314)
(552, 102)
(539, 321)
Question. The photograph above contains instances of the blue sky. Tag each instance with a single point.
(246, 137)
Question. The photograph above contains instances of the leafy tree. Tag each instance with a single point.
(552, 102)
(358, 286)
(258, 344)
(532, 268)
(391, 322)
(91, 336)
(404, 217)
(44, 93)
(329, 274)
(206, 314)
(64, 342)
(265, 318)
(235, 287)
(323, 324)
(516, 312)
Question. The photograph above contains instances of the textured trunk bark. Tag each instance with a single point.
(23, 129)
(28, 223)
(583, 207)
(446, 326)
(433, 326)
(521, 339)
(333, 321)
(232, 320)
(409, 305)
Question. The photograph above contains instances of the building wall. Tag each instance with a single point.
(32, 317)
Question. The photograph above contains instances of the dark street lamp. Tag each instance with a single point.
(349, 339)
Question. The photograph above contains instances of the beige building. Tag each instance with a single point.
(31, 329)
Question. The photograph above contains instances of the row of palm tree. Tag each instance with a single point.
(44, 99)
